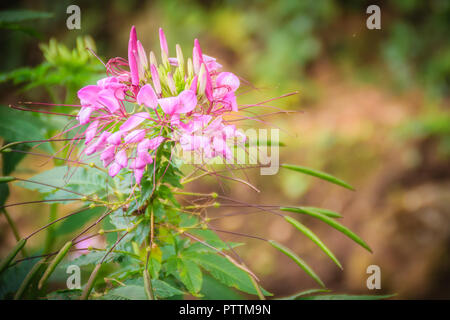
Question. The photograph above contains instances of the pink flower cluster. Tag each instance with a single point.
(143, 103)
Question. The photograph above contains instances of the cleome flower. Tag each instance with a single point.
(143, 103)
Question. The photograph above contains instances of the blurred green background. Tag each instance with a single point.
(376, 113)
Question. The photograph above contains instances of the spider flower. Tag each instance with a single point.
(143, 103)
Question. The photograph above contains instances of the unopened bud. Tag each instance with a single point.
(202, 80)
(180, 59)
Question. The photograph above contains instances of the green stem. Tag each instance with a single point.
(14, 229)
(258, 289)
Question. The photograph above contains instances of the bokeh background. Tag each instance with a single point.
(375, 112)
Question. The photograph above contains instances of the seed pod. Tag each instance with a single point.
(5, 262)
(28, 278)
(61, 254)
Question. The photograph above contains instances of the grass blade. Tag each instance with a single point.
(298, 261)
(311, 235)
(318, 174)
(330, 222)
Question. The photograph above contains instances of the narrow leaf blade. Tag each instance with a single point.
(318, 174)
(314, 238)
(336, 225)
(297, 260)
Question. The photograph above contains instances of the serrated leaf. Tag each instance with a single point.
(318, 174)
(80, 180)
(298, 261)
(336, 225)
(130, 292)
(314, 238)
(190, 274)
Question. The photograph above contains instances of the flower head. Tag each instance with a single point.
(169, 104)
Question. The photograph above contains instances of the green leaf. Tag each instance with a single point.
(136, 291)
(164, 290)
(318, 174)
(18, 125)
(330, 222)
(11, 279)
(213, 289)
(327, 212)
(347, 297)
(65, 294)
(311, 235)
(78, 220)
(85, 181)
(223, 270)
(10, 16)
(297, 260)
(190, 274)
(130, 292)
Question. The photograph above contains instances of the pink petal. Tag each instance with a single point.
(107, 98)
(193, 86)
(135, 136)
(143, 145)
(147, 97)
(84, 115)
(154, 143)
(173, 62)
(91, 131)
(230, 100)
(121, 158)
(169, 105)
(88, 94)
(138, 173)
(115, 138)
(163, 42)
(188, 101)
(107, 156)
(132, 54)
(114, 169)
(133, 121)
(142, 159)
(228, 80)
